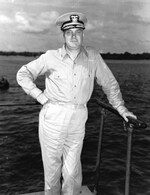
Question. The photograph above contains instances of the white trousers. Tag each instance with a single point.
(61, 134)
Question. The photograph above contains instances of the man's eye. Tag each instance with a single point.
(68, 33)
(79, 32)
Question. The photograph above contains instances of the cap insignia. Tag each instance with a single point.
(74, 18)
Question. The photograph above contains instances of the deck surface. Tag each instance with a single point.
(84, 191)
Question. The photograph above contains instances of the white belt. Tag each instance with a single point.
(68, 105)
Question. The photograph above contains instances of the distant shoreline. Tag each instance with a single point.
(108, 56)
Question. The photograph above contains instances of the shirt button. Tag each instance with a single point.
(74, 97)
(74, 85)
(74, 74)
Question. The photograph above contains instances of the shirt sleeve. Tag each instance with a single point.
(28, 73)
(109, 84)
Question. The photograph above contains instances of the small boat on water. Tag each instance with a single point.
(4, 84)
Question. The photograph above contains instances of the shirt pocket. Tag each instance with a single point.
(86, 75)
(59, 75)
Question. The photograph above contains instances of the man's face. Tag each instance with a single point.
(73, 38)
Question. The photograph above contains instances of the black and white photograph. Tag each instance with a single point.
(74, 97)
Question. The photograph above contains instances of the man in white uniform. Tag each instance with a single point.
(69, 78)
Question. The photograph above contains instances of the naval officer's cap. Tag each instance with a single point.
(71, 20)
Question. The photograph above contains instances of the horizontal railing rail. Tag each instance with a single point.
(136, 123)
(20, 104)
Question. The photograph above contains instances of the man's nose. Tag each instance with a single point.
(74, 35)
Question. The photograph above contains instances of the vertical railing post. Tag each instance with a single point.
(98, 162)
(129, 129)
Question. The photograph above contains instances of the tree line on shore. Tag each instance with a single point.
(109, 56)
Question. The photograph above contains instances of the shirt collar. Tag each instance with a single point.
(64, 53)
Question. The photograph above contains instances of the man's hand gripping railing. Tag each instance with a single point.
(135, 123)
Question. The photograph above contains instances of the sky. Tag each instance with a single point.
(114, 26)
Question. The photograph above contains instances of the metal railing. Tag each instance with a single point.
(129, 127)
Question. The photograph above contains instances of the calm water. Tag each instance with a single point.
(21, 168)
